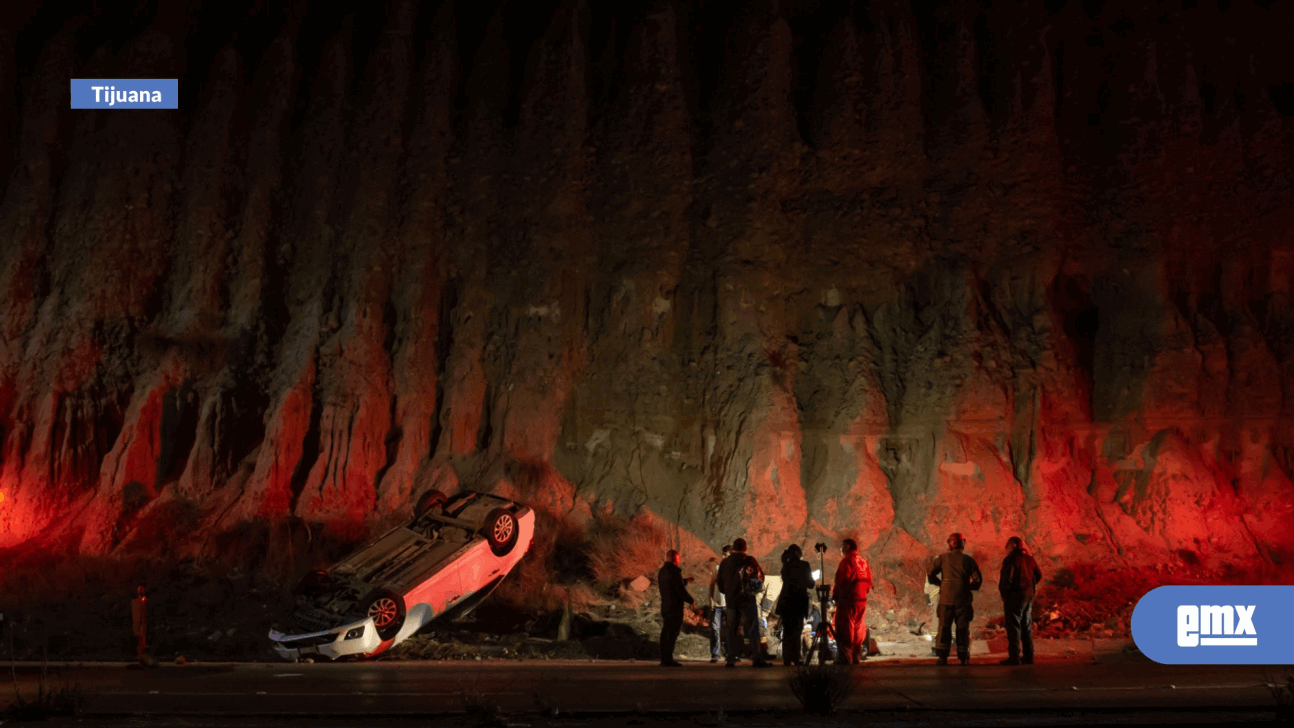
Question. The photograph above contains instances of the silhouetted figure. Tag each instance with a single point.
(717, 608)
(741, 580)
(1017, 585)
(793, 602)
(139, 624)
(853, 581)
(957, 576)
(673, 594)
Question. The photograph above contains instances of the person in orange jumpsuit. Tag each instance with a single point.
(853, 581)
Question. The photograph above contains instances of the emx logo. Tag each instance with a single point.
(1219, 623)
(1172, 623)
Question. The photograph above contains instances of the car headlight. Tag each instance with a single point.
(355, 633)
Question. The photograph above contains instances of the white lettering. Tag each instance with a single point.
(1246, 617)
(157, 97)
(133, 97)
(1188, 622)
(1216, 620)
(121, 96)
(1207, 625)
(97, 89)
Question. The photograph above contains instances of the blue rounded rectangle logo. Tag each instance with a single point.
(1215, 625)
(125, 93)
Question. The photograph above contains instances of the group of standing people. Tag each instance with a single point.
(958, 578)
(853, 582)
(735, 591)
(737, 586)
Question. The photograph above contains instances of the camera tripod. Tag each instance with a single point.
(824, 631)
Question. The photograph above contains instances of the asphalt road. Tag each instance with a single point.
(395, 688)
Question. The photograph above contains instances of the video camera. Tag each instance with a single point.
(823, 589)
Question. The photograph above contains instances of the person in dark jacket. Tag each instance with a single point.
(735, 573)
(793, 602)
(673, 594)
(957, 576)
(1017, 584)
(853, 582)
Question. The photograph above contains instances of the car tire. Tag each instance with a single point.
(429, 500)
(501, 530)
(387, 610)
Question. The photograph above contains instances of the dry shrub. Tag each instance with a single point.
(66, 701)
(532, 586)
(566, 563)
(82, 602)
(821, 688)
(60, 602)
(482, 706)
(547, 706)
(1091, 595)
(621, 550)
(1282, 690)
(281, 550)
(528, 589)
(69, 700)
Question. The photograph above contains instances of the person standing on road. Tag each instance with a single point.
(717, 608)
(793, 602)
(1017, 583)
(673, 594)
(742, 580)
(853, 581)
(957, 576)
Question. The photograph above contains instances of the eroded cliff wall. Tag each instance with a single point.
(792, 271)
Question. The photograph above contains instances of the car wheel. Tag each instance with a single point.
(429, 500)
(501, 530)
(387, 610)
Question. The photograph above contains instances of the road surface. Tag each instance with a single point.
(396, 688)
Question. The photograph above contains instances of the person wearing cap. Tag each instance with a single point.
(957, 576)
(717, 608)
(673, 594)
(853, 581)
(1017, 583)
(741, 578)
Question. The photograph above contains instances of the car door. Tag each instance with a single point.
(479, 566)
(440, 584)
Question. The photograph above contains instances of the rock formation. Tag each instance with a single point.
(787, 270)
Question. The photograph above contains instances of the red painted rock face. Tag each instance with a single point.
(882, 291)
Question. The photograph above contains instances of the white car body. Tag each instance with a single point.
(436, 562)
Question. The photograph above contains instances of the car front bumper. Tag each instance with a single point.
(357, 638)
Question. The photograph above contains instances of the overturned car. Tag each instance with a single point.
(448, 558)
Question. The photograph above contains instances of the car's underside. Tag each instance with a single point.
(420, 570)
(325, 601)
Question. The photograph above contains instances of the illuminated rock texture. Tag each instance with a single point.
(791, 271)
